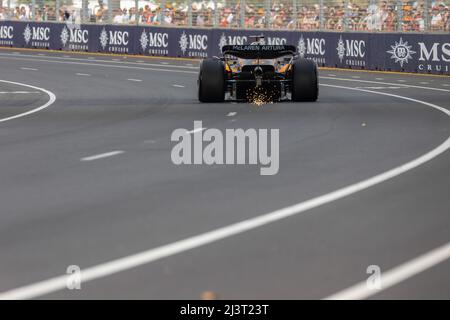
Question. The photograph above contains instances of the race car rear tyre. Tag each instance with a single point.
(211, 81)
(305, 85)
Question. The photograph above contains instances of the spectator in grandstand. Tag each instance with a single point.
(23, 14)
(168, 16)
(391, 20)
(437, 19)
(447, 19)
(3, 15)
(118, 16)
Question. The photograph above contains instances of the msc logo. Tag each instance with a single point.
(193, 42)
(351, 48)
(77, 36)
(231, 40)
(401, 52)
(312, 46)
(6, 32)
(437, 52)
(274, 41)
(154, 39)
(114, 38)
(118, 38)
(36, 34)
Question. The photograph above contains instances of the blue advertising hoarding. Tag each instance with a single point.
(424, 53)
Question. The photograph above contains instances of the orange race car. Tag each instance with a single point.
(258, 71)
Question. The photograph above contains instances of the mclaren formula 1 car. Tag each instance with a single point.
(257, 72)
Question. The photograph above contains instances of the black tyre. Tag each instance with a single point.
(305, 85)
(211, 81)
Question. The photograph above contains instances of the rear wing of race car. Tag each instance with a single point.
(258, 51)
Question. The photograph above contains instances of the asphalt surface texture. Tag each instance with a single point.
(89, 179)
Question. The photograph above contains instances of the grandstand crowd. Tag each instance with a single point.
(280, 14)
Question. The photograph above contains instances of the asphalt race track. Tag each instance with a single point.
(88, 179)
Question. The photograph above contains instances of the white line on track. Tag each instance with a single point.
(73, 60)
(105, 269)
(387, 83)
(178, 86)
(29, 69)
(135, 80)
(396, 275)
(356, 77)
(424, 82)
(119, 66)
(446, 85)
(83, 74)
(401, 80)
(102, 155)
(164, 63)
(52, 99)
(380, 88)
(231, 114)
(379, 78)
(19, 92)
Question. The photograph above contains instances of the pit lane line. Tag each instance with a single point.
(145, 257)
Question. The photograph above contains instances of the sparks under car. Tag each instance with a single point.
(258, 72)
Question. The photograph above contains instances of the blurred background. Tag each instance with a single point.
(348, 15)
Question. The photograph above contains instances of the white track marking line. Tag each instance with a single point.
(116, 61)
(135, 80)
(380, 88)
(42, 54)
(196, 130)
(19, 92)
(446, 85)
(83, 74)
(356, 77)
(401, 80)
(103, 65)
(52, 99)
(102, 155)
(105, 269)
(178, 86)
(387, 83)
(165, 63)
(231, 114)
(444, 110)
(29, 69)
(396, 275)
(379, 78)
(424, 82)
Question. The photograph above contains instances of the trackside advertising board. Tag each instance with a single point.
(424, 53)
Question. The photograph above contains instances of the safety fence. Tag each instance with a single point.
(411, 52)
(325, 15)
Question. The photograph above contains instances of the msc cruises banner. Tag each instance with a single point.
(425, 53)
